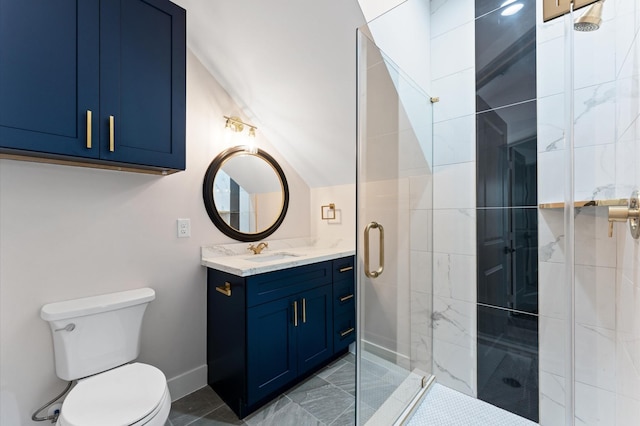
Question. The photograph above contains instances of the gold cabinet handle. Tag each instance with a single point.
(89, 118)
(377, 272)
(348, 268)
(349, 331)
(112, 128)
(304, 310)
(225, 289)
(345, 298)
(295, 313)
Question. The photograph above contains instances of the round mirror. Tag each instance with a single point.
(245, 193)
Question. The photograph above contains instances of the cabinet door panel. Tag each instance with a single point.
(271, 343)
(315, 343)
(48, 75)
(142, 61)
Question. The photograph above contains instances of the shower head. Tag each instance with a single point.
(591, 19)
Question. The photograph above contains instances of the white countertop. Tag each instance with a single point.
(236, 259)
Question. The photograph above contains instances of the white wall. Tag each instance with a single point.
(371, 9)
(343, 227)
(403, 33)
(69, 232)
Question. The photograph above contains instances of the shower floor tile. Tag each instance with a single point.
(445, 407)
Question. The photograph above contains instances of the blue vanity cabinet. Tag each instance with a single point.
(344, 301)
(271, 349)
(94, 81)
(315, 343)
(268, 331)
(287, 338)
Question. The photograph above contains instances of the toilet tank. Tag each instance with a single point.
(95, 334)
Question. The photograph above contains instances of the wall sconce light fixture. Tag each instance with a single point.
(236, 125)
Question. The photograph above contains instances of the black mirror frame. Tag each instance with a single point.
(209, 203)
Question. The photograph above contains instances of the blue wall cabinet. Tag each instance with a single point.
(49, 75)
(94, 81)
(268, 331)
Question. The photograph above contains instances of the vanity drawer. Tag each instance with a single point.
(344, 330)
(275, 285)
(343, 269)
(344, 300)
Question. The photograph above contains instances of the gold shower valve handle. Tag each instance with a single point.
(623, 214)
(617, 214)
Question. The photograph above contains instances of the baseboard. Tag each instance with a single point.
(187, 382)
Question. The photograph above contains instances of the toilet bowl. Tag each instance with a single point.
(133, 394)
(95, 341)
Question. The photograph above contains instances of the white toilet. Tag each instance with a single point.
(94, 341)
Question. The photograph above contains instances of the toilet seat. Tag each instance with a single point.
(132, 394)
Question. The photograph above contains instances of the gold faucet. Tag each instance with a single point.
(258, 249)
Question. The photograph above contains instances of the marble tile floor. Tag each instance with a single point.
(328, 399)
(324, 399)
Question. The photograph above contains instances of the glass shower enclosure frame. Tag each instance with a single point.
(393, 197)
(588, 156)
(591, 345)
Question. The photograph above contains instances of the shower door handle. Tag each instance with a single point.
(367, 271)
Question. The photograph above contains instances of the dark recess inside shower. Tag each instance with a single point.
(506, 197)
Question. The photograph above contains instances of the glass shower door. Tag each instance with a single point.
(605, 155)
(394, 232)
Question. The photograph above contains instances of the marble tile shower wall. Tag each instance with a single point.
(416, 169)
(454, 200)
(607, 330)
(607, 137)
(627, 273)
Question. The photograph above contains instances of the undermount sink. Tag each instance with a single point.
(270, 257)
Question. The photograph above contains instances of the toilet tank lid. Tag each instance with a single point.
(95, 304)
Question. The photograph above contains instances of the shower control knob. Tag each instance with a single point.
(623, 214)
